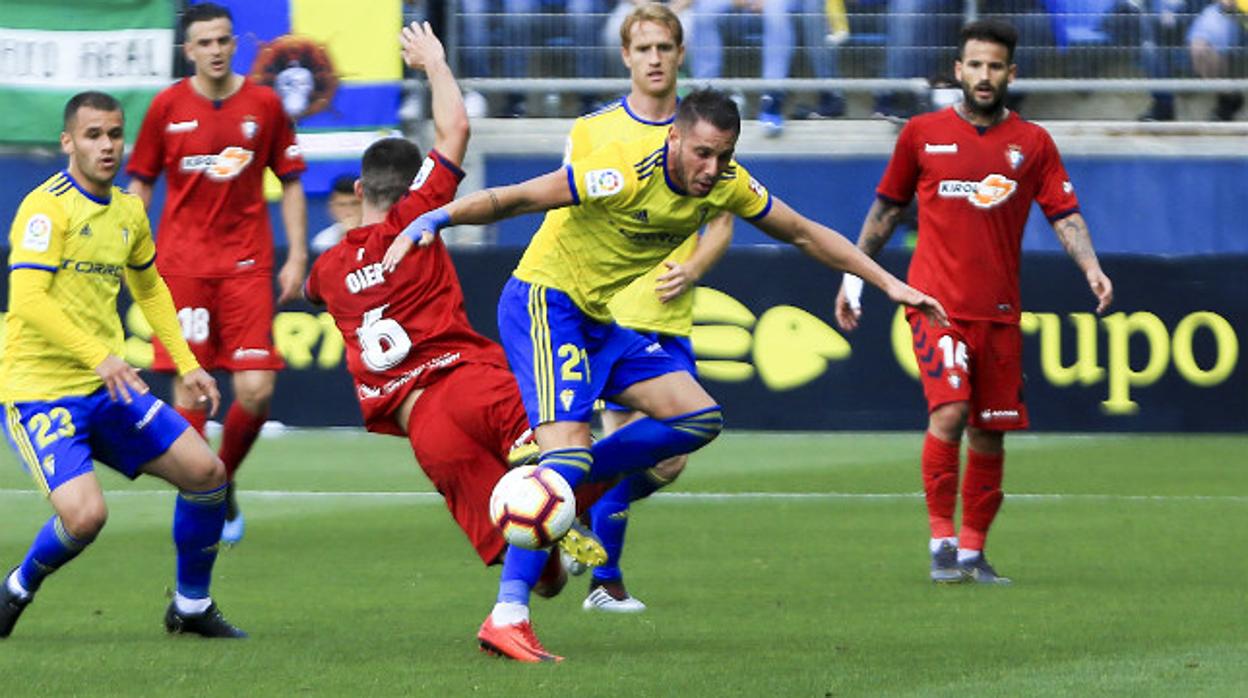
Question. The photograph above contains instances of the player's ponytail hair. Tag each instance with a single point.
(388, 169)
(993, 31)
(709, 105)
(652, 12)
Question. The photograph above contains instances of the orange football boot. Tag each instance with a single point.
(515, 641)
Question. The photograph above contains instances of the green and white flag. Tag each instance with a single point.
(51, 50)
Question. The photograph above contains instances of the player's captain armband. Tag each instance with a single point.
(38, 233)
(600, 183)
(853, 291)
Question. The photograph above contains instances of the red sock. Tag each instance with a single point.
(940, 483)
(981, 497)
(197, 418)
(240, 432)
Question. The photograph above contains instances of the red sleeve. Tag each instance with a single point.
(902, 174)
(311, 287)
(433, 186)
(1056, 195)
(147, 158)
(285, 159)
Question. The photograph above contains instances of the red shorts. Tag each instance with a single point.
(973, 361)
(461, 429)
(228, 322)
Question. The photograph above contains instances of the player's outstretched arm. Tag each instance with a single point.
(875, 233)
(711, 246)
(424, 52)
(479, 208)
(1073, 232)
(831, 249)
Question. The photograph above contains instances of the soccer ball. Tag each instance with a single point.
(532, 508)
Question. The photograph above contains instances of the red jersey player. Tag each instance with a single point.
(213, 135)
(420, 369)
(975, 167)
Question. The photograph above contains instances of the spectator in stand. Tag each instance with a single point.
(712, 18)
(821, 31)
(1164, 28)
(914, 27)
(1214, 34)
(521, 30)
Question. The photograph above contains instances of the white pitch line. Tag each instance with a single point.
(703, 496)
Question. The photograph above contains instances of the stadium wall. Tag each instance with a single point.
(1166, 359)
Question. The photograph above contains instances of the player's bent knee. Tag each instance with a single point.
(86, 520)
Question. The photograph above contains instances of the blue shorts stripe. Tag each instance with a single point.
(25, 449)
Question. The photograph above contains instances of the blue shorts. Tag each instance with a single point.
(57, 439)
(677, 347)
(563, 359)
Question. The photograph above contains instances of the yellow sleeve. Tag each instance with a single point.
(604, 178)
(153, 297)
(748, 198)
(29, 300)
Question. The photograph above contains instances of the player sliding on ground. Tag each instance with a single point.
(420, 370)
(630, 204)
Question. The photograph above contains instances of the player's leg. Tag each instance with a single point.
(944, 372)
(245, 341)
(198, 514)
(997, 407)
(51, 441)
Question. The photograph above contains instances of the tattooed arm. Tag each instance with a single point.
(1073, 233)
(876, 230)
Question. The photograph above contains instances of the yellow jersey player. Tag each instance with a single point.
(629, 205)
(68, 396)
(658, 303)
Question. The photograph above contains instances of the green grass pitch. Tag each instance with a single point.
(810, 579)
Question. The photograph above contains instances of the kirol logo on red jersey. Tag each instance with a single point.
(226, 165)
(988, 192)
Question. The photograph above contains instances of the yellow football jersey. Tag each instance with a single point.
(637, 306)
(627, 216)
(86, 244)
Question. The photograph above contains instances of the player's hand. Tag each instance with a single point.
(678, 279)
(203, 388)
(1102, 287)
(290, 280)
(396, 252)
(908, 295)
(420, 46)
(849, 304)
(120, 378)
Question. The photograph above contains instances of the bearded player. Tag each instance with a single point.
(976, 167)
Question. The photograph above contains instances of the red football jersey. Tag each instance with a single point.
(975, 189)
(403, 328)
(215, 222)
